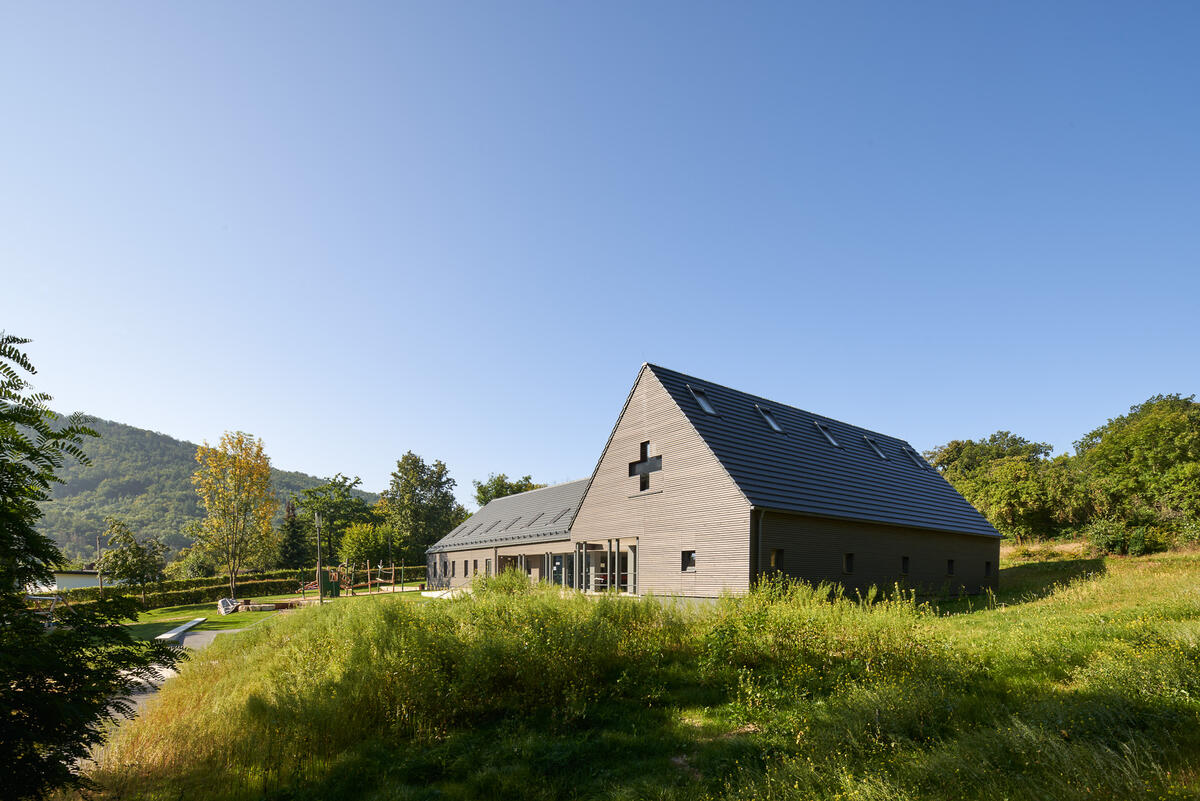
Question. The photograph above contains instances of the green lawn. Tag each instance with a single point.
(154, 622)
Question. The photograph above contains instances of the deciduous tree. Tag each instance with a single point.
(338, 507)
(234, 484)
(421, 505)
(498, 485)
(134, 563)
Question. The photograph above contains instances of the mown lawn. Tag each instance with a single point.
(154, 622)
(1079, 680)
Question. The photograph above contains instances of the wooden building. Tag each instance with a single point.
(703, 489)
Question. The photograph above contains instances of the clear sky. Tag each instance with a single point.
(356, 229)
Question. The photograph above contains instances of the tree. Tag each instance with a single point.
(1007, 478)
(134, 563)
(234, 484)
(364, 542)
(499, 486)
(1146, 464)
(67, 674)
(338, 507)
(420, 504)
(295, 550)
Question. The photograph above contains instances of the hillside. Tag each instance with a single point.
(142, 477)
(1080, 680)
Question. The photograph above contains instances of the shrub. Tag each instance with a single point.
(1108, 536)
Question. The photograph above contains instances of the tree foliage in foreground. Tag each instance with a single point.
(234, 484)
(498, 485)
(65, 674)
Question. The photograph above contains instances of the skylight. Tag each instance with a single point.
(510, 525)
(534, 519)
(559, 516)
(824, 429)
(702, 399)
(917, 460)
(770, 418)
(492, 526)
(875, 447)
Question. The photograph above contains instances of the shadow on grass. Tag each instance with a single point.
(1035, 580)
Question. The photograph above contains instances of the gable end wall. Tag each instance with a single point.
(692, 504)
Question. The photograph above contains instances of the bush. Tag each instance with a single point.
(1108, 537)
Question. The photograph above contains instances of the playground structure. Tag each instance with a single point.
(336, 581)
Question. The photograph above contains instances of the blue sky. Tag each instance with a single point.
(357, 229)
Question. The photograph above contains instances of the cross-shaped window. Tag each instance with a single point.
(644, 466)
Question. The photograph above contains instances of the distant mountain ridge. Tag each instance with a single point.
(145, 479)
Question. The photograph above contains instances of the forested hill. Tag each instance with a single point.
(142, 477)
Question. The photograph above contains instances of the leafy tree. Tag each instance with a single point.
(1006, 477)
(66, 674)
(1146, 464)
(295, 548)
(134, 563)
(363, 542)
(338, 505)
(498, 485)
(420, 504)
(234, 484)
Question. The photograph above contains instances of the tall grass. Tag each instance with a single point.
(1087, 686)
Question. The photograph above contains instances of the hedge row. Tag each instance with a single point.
(199, 595)
(92, 593)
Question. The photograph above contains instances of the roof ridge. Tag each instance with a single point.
(728, 388)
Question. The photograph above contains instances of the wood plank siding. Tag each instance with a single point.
(691, 504)
(815, 549)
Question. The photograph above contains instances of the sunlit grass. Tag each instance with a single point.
(1080, 679)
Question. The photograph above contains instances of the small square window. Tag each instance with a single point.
(777, 559)
(848, 563)
(904, 565)
(702, 399)
(949, 567)
(688, 561)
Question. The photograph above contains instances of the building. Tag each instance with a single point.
(703, 489)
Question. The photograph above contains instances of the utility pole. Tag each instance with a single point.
(320, 578)
(99, 575)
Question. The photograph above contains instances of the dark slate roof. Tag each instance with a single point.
(801, 471)
(540, 515)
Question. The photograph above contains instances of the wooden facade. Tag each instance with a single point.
(664, 514)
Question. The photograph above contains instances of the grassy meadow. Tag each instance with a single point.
(1080, 680)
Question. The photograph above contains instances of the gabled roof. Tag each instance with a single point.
(540, 515)
(801, 470)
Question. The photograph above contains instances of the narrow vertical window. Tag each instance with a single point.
(949, 567)
(848, 563)
(452, 564)
(475, 567)
(466, 572)
(987, 569)
(777, 559)
(904, 565)
(687, 561)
